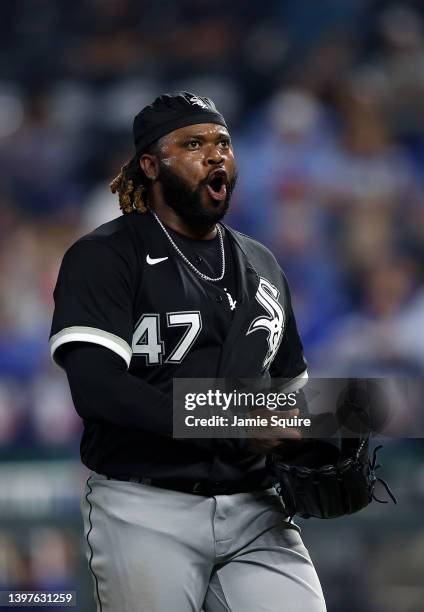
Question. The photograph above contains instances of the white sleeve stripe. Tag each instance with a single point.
(296, 383)
(95, 336)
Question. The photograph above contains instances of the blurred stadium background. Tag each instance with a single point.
(326, 106)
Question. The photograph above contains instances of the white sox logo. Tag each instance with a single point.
(267, 296)
(195, 100)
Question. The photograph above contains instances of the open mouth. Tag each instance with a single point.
(217, 185)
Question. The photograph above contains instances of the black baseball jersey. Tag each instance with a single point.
(125, 287)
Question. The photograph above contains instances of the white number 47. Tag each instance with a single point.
(147, 337)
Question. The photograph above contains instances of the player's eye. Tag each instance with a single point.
(193, 144)
(224, 143)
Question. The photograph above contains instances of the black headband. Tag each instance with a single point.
(170, 112)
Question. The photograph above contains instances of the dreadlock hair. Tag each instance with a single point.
(131, 183)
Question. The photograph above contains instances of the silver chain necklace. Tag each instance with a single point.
(187, 261)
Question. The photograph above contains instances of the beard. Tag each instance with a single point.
(187, 202)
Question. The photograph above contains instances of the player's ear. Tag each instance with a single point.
(150, 165)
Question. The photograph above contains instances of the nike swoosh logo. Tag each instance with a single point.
(155, 260)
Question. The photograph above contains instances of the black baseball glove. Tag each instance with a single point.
(322, 480)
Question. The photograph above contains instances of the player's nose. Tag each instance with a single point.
(214, 156)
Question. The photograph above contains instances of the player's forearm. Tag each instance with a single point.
(102, 390)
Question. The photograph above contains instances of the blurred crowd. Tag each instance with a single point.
(325, 101)
(42, 558)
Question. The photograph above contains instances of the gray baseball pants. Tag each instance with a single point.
(157, 550)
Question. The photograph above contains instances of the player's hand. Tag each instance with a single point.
(265, 439)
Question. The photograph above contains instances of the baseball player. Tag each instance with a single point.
(166, 291)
